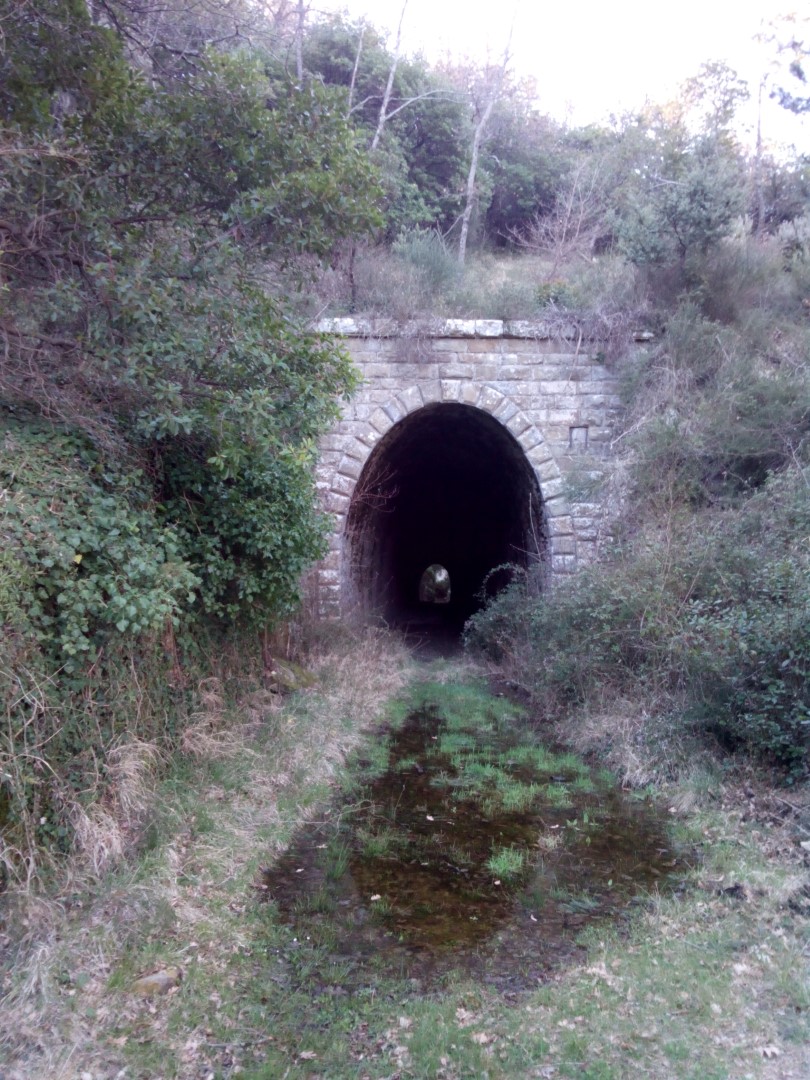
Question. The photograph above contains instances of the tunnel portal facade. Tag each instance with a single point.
(462, 450)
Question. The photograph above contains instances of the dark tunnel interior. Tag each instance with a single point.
(447, 485)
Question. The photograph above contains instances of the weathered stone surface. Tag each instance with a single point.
(431, 391)
(350, 467)
(411, 399)
(539, 380)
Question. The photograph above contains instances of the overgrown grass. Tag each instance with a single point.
(709, 982)
(688, 635)
(228, 803)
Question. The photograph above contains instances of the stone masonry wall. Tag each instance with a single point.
(549, 387)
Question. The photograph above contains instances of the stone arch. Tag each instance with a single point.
(360, 446)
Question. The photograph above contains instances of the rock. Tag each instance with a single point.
(287, 677)
(160, 982)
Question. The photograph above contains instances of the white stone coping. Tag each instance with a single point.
(530, 329)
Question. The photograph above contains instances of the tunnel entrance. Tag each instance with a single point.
(448, 486)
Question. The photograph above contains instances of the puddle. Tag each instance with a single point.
(472, 849)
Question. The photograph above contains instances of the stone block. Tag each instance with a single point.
(431, 391)
(336, 504)
(331, 561)
(530, 439)
(513, 372)
(564, 545)
(380, 421)
(488, 328)
(350, 467)
(395, 410)
(546, 473)
(364, 350)
(483, 347)
(552, 488)
(341, 485)
(505, 411)
(544, 465)
(563, 564)
(368, 437)
(411, 399)
(331, 443)
(378, 395)
(451, 389)
(560, 526)
(587, 552)
(518, 424)
(447, 346)
(373, 371)
(556, 388)
(488, 372)
(469, 393)
(531, 348)
(460, 328)
(489, 398)
(410, 373)
(456, 370)
(355, 449)
(525, 328)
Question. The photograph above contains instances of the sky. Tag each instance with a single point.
(591, 58)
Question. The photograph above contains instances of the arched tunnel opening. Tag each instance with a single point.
(447, 487)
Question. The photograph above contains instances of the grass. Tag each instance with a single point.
(508, 864)
(709, 983)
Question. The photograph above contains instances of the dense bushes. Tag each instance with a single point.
(711, 616)
(94, 560)
(158, 404)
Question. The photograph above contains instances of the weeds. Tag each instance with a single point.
(508, 864)
(200, 833)
(701, 983)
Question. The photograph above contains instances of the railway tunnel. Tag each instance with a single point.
(448, 491)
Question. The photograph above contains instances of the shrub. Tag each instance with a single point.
(426, 251)
(93, 560)
(712, 616)
(713, 413)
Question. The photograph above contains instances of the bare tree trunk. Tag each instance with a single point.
(469, 202)
(494, 93)
(758, 222)
(299, 41)
(353, 83)
(389, 86)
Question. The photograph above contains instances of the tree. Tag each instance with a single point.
(682, 193)
(136, 227)
(421, 149)
(790, 35)
(484, 92)
(574, 223)
(712, 97)
(389, 83)
(526, 160)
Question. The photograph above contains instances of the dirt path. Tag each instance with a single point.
(711, 982)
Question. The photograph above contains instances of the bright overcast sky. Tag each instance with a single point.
(591, 58)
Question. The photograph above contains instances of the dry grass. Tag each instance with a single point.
(712, 976)
(282, 759)
(635, 740)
